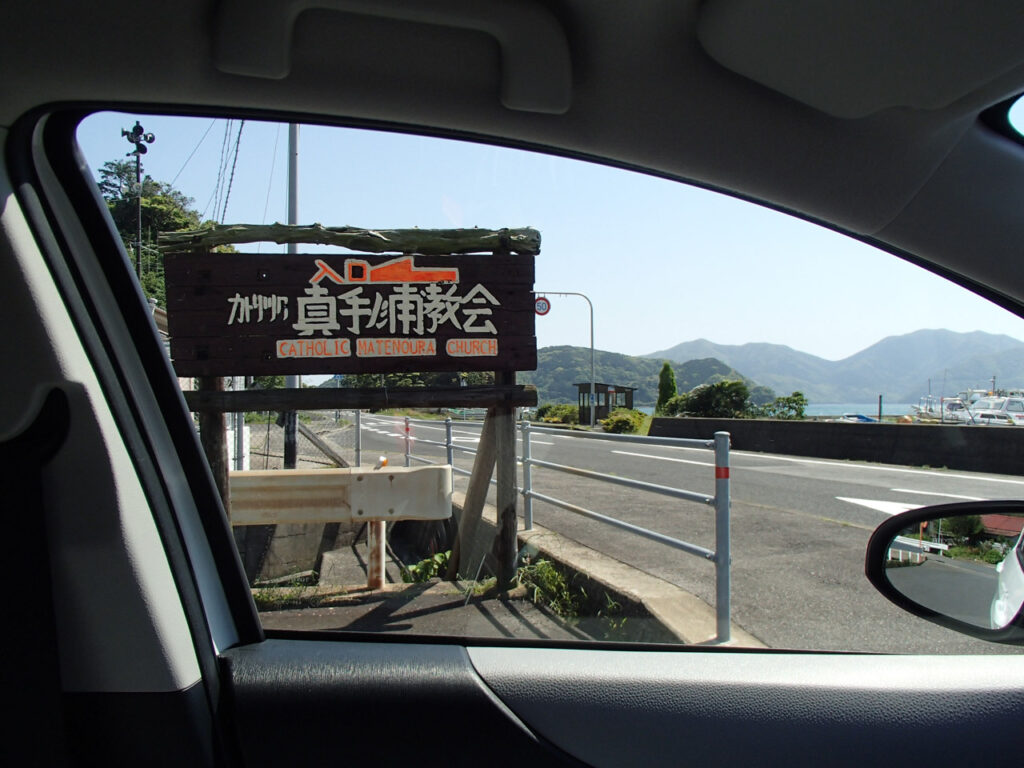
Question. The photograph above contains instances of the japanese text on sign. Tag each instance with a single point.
(235, 312)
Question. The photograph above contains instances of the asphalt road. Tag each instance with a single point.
(799, 529)
(957, 588)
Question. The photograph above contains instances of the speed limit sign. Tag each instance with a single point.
(541, 306)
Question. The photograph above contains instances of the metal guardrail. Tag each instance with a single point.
(720, 556)
(468, 414)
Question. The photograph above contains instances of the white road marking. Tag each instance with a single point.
(933, 493)
(664, 458)
(876, 467)
(886, 507)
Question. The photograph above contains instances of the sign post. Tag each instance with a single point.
(540, 298)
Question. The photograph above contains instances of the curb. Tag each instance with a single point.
(683, 615)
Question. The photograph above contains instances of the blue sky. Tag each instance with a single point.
(662, 262)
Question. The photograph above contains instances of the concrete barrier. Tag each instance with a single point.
(999, 450)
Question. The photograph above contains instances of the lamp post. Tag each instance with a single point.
(593, 399)
(139, 138)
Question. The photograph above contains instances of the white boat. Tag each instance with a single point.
(942, 410)
(1001, 411)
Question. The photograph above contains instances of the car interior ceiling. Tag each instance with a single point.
(809, 137)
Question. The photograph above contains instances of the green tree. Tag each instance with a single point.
(723, 399)
(791, 407)
(666, 387)
(268, 382)
(164, 209)
(414, 379)
(761, 395)
(966, 527)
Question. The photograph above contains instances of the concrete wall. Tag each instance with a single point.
(979, 449)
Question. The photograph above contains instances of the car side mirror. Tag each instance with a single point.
(958, 565)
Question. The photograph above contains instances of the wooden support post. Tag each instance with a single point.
(505, 548)
(476, 495)
(321, 445)
(213, 438)
(375, 538)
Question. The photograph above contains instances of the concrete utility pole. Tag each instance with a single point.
(292, 382)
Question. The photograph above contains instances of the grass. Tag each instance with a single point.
(412, 413)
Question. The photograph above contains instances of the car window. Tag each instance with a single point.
(653, 307)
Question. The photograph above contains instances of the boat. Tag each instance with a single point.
(856, 418)
(942, 410)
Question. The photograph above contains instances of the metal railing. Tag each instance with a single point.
(720, 556)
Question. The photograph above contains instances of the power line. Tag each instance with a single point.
(208, 129)
(231, 179)
(270, 182)
(221, 166)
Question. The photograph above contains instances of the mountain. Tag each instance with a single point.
(898, 367)
(558, 368)
(782, 368)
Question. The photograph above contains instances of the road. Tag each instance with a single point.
(799, 529)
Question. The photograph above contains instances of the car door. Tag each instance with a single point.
(160, 654)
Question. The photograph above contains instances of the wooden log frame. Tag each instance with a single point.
(462, 559)
(213, 437)
(496, 450)
(241, 401)
(497, 443)
(505, 549)
(524, 241)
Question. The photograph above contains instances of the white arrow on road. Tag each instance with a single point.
(886, 507)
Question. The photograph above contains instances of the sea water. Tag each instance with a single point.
(867, 409)
(838, 409)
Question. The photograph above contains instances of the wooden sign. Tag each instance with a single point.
(233, 314)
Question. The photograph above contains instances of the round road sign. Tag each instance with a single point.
(542, 305)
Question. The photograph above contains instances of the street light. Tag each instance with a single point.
(139, 138)
(593, 399)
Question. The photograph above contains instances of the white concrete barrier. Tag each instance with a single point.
(264, 497)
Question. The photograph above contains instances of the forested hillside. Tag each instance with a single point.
(558, 368)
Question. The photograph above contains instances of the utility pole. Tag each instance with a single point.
(139, 138)
(292, 382)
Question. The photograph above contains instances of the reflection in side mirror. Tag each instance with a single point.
(960, 565)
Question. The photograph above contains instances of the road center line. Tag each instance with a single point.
(875, 468)
(885, 507)
(664, 458)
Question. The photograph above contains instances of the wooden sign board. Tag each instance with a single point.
(233, 314)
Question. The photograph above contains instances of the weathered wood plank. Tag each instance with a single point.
(213, 438)
(425, 241)
(505, 544)
(254, 272)
(322, 446)
(465, 557)
(256, 357)
(263, 314)
(331, 399)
